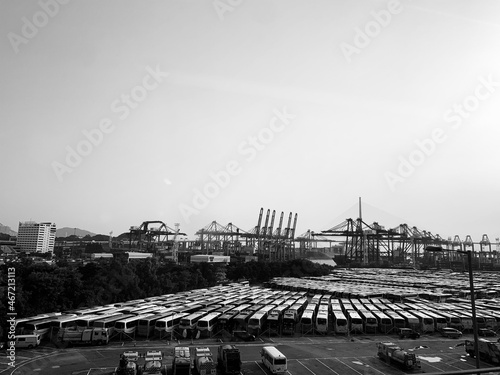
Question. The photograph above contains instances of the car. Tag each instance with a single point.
(243, 335)
(486, 332)
(408, 332)
(451, 333)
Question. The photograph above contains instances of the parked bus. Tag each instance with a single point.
(397, 320)
(257, 322)
(108, 322)
(316, 298)
(411, 321)
(306, 321)
(440, 321)
(39, 327)
(322, 321)
(385, 324)
(241, 320)
(274, 360)
(85, 321)
(275, 317)
(370, 323)
(146, 325)
(290, 319)
(21, 323)
(169, 323)
(226, 320)
(340, 324)
(492, 319)
(355, 321)
(207, 323)
(188, 323)
(129, 325)
(63, 322)
(426, 322)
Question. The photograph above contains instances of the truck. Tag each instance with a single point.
(153, 363)
(203, 362)
(395, 355)
(128, 364)
(229, 360)
(489, 351)
(181, 364)
(89, 336)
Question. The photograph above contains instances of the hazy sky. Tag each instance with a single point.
(117, 112)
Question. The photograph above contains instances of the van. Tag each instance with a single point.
(27, 341)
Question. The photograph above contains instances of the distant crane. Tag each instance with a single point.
(175, 248)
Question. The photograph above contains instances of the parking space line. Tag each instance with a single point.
(307, 368)
(264, 371)
(345, 364)
(437, 368)
(328, 367)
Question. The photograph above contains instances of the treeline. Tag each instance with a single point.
(259, 272)
(42, 288)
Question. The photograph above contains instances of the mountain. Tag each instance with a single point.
(67, 231)
(6, 230)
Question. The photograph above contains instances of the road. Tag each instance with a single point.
(306, 356)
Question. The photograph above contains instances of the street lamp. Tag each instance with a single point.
(473, 304)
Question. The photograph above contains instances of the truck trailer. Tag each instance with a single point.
(203, 362)
(181, 364)
(229, 360)
(489, 351)
(89, 336)
(395, 355)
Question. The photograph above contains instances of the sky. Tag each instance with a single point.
(193, 111)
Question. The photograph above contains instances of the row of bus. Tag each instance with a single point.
(256, 310)
(199, 309)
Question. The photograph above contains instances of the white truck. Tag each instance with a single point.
(203, 362)
(89, 336)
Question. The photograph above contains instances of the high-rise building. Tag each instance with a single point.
(36, 237)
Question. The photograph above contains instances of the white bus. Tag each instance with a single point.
(146, 326)
(39, 327)
(108, 322)
(385, 323)
(410, 320)
(355, 321)
(207, 323)
(64, 321)
(169, 323)
(426, 322)
(189, 322)
(369, 321)
(129, 325)
(340, 322)
(322, 322)
(306, 320)
(440, 321)
(85, 321)
(273, 359)
(397, 320)
(257, 322)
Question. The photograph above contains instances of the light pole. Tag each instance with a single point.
(473, 304)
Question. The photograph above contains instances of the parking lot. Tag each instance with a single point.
(306, 356)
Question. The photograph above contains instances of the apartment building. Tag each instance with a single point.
(36, 237)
